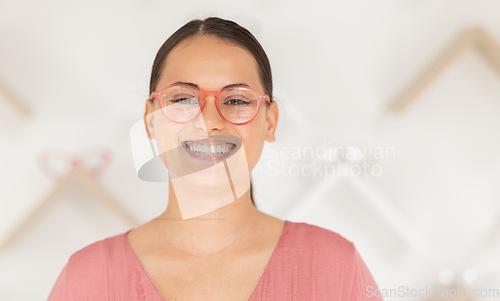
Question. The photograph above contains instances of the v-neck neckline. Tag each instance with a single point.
(274, 255)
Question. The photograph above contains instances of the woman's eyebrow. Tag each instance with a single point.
(186, 83)
(198, 87)
(232, 85)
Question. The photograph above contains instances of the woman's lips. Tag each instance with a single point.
(214, 148)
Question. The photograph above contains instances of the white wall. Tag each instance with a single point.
(83, 70)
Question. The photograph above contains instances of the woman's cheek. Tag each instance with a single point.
(167, 137)
(254, 152)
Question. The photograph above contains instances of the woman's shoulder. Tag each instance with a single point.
(310, 233)
(99, 254)
(327, 262)
(95, 271)
(311, 241)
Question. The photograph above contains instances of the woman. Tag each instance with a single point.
(211, 110)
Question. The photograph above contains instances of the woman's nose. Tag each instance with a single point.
(210, 116)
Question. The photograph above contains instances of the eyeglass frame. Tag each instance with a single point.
(217, 94)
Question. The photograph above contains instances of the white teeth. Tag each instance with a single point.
(208, 149)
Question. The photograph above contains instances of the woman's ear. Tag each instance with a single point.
(149, 118)
(272, 116)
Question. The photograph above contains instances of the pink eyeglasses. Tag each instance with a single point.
(236, 104)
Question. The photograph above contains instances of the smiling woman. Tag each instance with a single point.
(211, 110)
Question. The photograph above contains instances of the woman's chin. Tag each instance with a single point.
(213, 178)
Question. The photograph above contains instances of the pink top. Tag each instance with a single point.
(309, 263)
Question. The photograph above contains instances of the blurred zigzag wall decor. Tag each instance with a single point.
(474, 37)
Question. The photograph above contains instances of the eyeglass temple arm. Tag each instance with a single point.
(266, 97)
(153, 95)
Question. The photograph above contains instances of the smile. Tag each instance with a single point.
(208, 149)
(215, 148)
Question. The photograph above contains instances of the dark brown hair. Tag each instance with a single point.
(223, 29)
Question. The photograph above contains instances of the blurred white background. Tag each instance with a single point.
(427, 215)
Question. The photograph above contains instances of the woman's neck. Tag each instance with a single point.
(210, 232)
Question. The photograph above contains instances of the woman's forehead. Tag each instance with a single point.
(211, 63)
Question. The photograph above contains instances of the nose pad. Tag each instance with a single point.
(210, 116)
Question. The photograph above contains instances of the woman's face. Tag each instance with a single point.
(210, 63)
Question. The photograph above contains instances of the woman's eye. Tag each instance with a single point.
(184, 100)
(236, 101)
